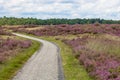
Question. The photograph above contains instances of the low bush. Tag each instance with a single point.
(72, 29)
(9, 47)
(99, 61)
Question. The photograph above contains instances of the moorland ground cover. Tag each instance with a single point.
(99, 54)
(14, 52)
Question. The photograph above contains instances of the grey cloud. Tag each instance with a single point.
(61, 8)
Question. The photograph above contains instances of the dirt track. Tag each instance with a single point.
(45, 64)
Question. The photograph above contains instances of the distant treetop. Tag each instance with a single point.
(22, 21)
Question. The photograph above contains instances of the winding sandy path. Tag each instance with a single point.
(45, 64)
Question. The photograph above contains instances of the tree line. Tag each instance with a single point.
(22, 21)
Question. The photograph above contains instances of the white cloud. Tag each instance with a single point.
(61, 8)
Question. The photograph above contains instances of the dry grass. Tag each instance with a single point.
(35, 28)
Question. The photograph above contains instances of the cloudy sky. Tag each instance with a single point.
(106, 9)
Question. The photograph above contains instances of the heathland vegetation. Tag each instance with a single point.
(95, 46)
(14, 52)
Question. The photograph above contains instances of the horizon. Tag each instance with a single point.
(57, 18)
(68, 9)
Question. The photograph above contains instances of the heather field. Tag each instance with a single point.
(95, 46)
(64, 29)
(14, 52)
(10, 45)
(100, 56)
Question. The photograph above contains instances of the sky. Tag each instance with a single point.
(44, 9)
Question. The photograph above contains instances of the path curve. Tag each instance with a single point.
(45, 64)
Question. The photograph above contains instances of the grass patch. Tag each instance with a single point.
(11, 66)
(105, 46)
